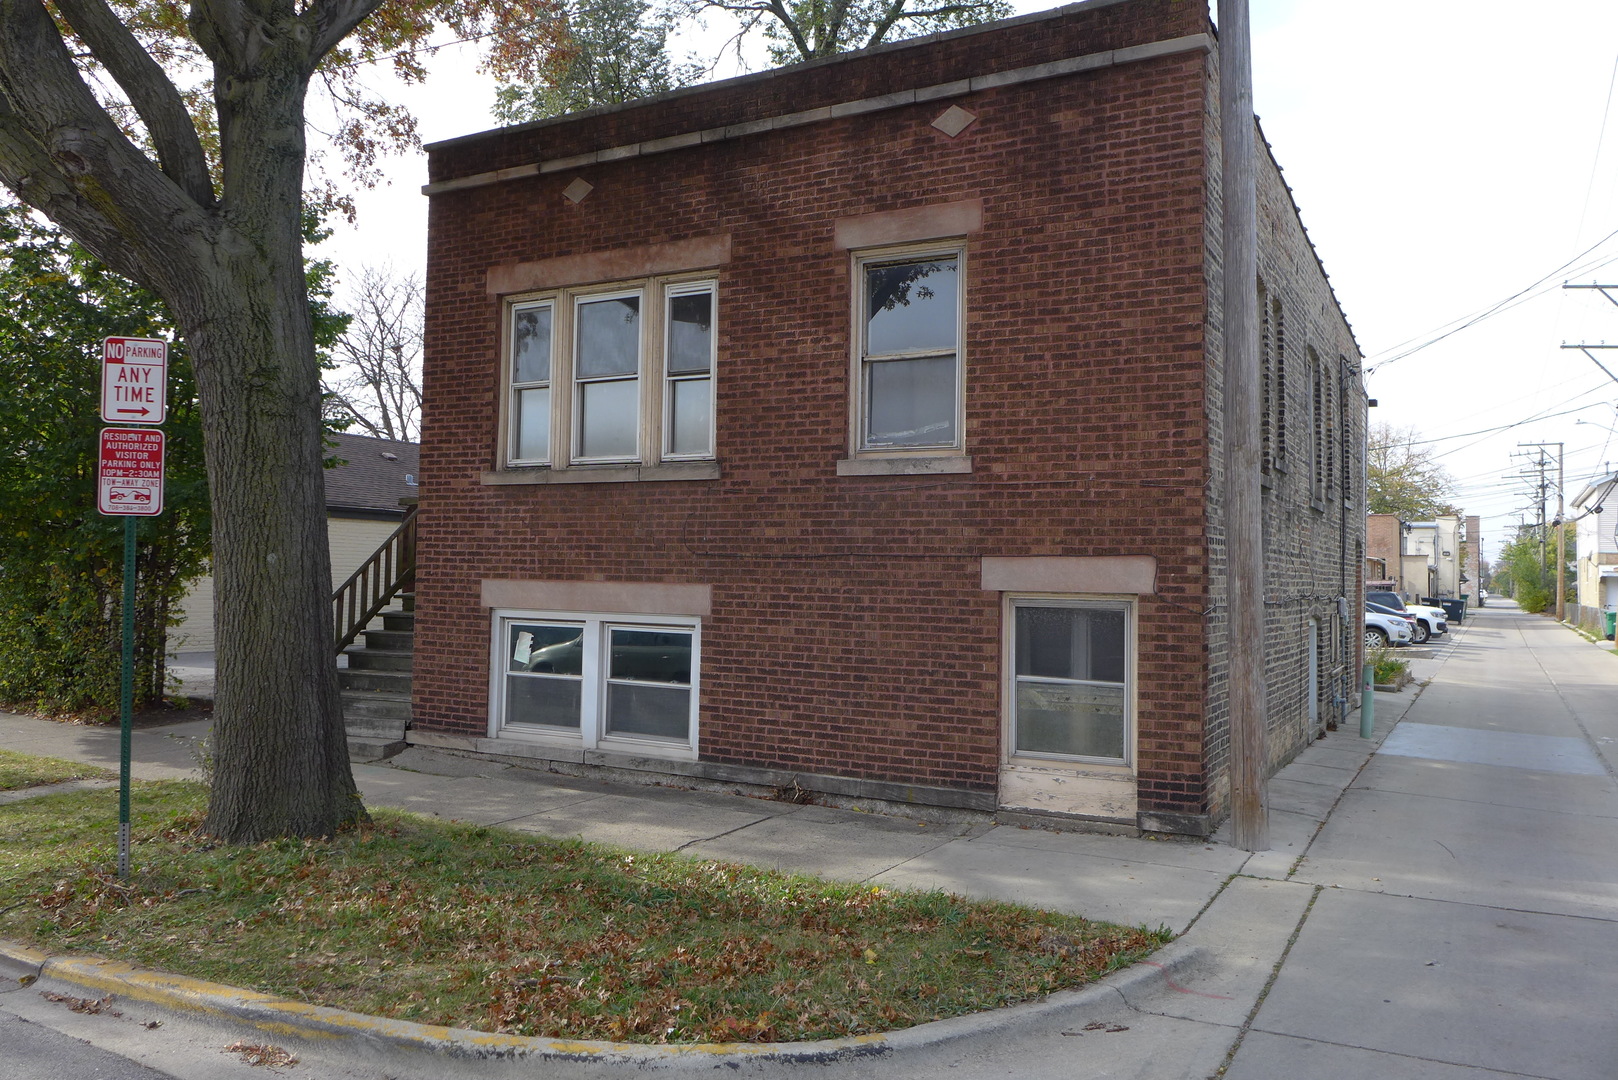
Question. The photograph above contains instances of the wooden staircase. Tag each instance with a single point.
(376, 682)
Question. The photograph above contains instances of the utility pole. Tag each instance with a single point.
(1561, 509)
(1244, 522)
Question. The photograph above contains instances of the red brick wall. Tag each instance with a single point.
(849, 633)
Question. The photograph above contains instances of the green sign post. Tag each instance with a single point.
(134, 389)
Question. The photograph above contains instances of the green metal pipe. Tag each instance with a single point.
(1367, 709)
(126, 698)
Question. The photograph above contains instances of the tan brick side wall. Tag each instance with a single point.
(1314, 552)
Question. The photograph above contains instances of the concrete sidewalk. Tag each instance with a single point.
(1309, 959)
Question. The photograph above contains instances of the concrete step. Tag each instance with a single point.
(367, 749)
(390, 640)
(368, 727)
(404, 621)
(397, 682)
(377, 705)
(369, 659)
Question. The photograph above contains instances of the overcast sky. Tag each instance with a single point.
(1446, 158)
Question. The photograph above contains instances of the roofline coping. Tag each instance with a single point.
(1011, 77)
(760, 76)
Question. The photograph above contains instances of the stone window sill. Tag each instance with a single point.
(904, 466)
(604, 474)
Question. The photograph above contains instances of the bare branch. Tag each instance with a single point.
(378, 381)
(154, 97)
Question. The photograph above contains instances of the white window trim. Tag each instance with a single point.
(513, 388)
(1010, 755)
(576, 383)
(566, 401)
(592, 734)
(859, 261)
(666, 422)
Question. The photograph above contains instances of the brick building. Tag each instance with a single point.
(854, 428)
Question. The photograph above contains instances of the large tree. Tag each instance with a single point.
(1403, 478)
(810, 29)
(611, 51)
(169, 140)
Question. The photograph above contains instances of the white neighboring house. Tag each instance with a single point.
(363, 508)
(1596, 509)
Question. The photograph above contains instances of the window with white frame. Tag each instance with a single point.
(597, 679)
(908, 354)
(1071, 693)
(612, 375)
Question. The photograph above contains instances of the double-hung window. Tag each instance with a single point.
(531, 341)
(598, 680)
(612, 376)
(607, 376)
(908, 354)
(1070, 680)
(688, 352)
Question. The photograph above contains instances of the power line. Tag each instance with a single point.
(1522, 295)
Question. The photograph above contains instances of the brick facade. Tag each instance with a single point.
(849, 642)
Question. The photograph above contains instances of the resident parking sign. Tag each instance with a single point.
(130, 479)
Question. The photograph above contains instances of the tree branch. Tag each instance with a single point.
(330, 22)
(154, 97)
(221, 28)
(892, 14)
(62, 153)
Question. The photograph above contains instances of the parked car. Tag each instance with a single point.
(1426, 622)
(1384, 630)
(1430, 620)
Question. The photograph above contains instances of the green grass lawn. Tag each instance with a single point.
(484, 928)
(22, 770)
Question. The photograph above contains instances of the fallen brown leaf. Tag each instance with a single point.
(262, 1054)
(92, 1006)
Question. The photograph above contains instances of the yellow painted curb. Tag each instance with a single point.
(286, 1018)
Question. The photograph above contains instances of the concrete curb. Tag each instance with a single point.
(88, 977)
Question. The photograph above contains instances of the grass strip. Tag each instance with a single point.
(446, 923)
(19, 771)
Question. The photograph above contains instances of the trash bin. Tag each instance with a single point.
(1454, 610)
(1610, 618)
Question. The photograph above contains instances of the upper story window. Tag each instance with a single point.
(616, 375)
(689, 348)
(909, 370)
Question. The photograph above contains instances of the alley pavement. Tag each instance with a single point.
(1439, 901)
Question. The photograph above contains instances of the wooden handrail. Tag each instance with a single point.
(390, 570)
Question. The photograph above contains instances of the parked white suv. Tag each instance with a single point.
(1430, 621)
(1384, 630)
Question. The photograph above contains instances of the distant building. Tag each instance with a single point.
(363, 507)
(1596, 551)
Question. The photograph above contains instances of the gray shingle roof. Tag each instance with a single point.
(371, 476)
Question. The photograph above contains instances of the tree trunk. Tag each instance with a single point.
(280, 751)
(281, 763)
